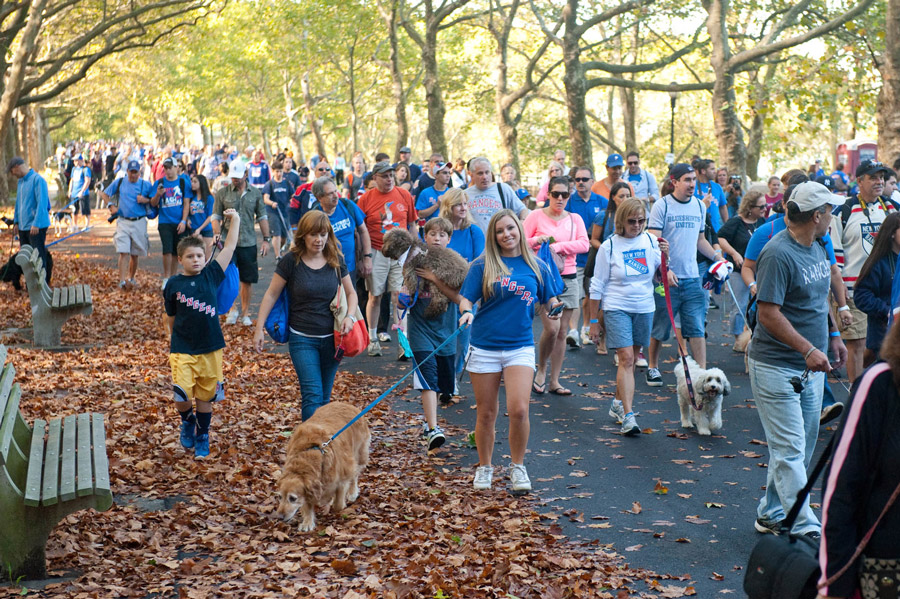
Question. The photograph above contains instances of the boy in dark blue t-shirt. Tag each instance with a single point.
(197, 342)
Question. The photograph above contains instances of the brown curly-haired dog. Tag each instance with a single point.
(450, 267)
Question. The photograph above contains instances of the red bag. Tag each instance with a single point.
(357, 340)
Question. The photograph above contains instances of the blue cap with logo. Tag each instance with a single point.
(522, 193)
(134, 165)
(614, 160)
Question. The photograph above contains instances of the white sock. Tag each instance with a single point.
(372, 336)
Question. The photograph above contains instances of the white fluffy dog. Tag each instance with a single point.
(710, 385)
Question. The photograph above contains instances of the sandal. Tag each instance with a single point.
(539, 389)
(561, 391)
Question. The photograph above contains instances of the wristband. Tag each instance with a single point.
(752, 284)
(834, 334)
(369, 255)
(466, 311)
(594, 321)
(809, 353)
(183, 222)
(844, 309)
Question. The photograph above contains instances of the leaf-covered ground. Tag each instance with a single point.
(417, 530)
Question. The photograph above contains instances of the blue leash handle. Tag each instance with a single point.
(388, 392)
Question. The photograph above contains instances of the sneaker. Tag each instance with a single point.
(616, 359)
(123, 285)
(630, 427)
(446, 399)
(641, 361)
(374, 349)
(132, 283)
(586, 338)
(164, 281)
(201, 449)
(767, 527)
(232, 317)
(712, 304)
(483, 477)
(572, 339)
(831, 412)
(617, 411)
(188, 432)
(435, 437)
(246, 321)
(519, 477)
(654, 379)
(384, 337)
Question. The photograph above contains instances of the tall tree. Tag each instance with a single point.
(889, 96)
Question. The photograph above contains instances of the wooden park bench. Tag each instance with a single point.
(46, 473)
(50, 307)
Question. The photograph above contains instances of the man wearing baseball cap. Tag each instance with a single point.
(853, 232)
(80, 189)
(415, 171)
(31, 216)
(128, 199)
(791, 342)
(171, 194)
(615, 166)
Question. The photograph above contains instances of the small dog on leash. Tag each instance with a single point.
(710, 386)
(62, 219)
(314, 477)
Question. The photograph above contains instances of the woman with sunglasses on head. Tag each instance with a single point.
(554, 170)
(733, 239)
(623, 282)
(511, 283)
(567, 237)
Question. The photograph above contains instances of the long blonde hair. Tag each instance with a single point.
(313, 222)
(454, 197)
(494, 267)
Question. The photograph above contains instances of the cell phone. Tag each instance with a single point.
(557, 309)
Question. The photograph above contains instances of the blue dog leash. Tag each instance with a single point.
(378, 399)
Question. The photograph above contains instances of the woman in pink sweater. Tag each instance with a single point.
(567, 237)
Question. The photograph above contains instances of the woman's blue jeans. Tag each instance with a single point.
(314, 363)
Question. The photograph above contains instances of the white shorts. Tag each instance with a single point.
(387, 275)
(131, 237)
(483, 361)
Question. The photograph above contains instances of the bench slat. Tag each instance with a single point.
(3, 352)
(57, 295)
(71, 295)
(67, 459)
(85, 482)
(87, 294)
(101, 461)
(14, 458)
(63, 296)
(50, 481)
(79, 295)
(35, 465)
(6, 384)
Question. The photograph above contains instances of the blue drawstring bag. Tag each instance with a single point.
(556, 284)
(277, 321)
(228, 289)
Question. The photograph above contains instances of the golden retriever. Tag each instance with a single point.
(311, 477)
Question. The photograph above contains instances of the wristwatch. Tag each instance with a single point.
(267, 239)
(369, 255)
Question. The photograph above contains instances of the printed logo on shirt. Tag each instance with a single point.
(194, 304)
(341, 225)
(816, 272)
(869, 231)
(513, 287)
(683, 221)
(172, 196)
(635, 263)
(387, 218)
(198, 206)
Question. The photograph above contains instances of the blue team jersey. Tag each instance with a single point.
(428, 198)
(588, 211)
(280, 192)
(258, 174)
(172, 202)
(200, 211)
(503, 322)
(468, 242)
(345, 222)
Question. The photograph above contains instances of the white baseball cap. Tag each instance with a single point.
(236, 169)
(811, 195)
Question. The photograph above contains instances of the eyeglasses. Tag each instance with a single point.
(321, 170)
(582, 179)
(559, 194)
(633, 163)
(760, 206)
(636, 221)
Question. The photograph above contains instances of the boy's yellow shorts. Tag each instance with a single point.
(196, 376)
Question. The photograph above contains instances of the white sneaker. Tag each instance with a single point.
(572, 339)
(164, 281)
(246, 321)
(616, 359)
(630, 427)
(586, 337)
(519, 477)
(483, 477)
(641, 361)
(435, 437)
(384, 337)
(374, 348)
(232, 317)
(617, 411)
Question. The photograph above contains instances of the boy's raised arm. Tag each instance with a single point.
(231, 240)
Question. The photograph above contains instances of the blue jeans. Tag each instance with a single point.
(791, 424)
(314, 363)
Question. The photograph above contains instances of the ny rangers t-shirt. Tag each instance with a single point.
(192, 301)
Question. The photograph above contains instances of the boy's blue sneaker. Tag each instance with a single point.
(201, 449)
(188, 437)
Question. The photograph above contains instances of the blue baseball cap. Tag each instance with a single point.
(134, 165)
(522, 193)
(615, 160)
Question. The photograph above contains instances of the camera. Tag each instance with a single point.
(736, 182)
(112, 217)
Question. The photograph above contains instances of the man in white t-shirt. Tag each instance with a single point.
(487, 198)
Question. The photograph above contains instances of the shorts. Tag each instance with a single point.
(570, 295)
(245, 260)
(85, 202)
(387, 275)
(131, 237)
(858, 329)
(169, 236)
(579, 280)
(437, 374)
(627, 329)
(276, 228)
(483, 361)
(689, 303)
(197, 376)
(207, 233)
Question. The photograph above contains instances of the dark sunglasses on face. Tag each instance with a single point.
(633, 163)
(582, 179)
(637, 221)
(559, 194)
(760, 206)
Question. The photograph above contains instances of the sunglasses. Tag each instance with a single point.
(559, 194)
(636, 221)
(582, 179)
(760, 206)
(633, 163)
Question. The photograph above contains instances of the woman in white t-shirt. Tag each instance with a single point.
(623, 281)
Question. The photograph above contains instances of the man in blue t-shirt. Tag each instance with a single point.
(710, 192)
(277, 194)
(428, 203)
(586, 204)
(131, 212)
(169, 196)
(80, 189)
(347, 221)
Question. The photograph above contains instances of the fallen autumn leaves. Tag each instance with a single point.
(418, 528)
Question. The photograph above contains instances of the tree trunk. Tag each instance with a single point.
(729, 136)
(509, 136)
(576, 89)
(309, 103)
(267, 148)
(760, 107)
(434, 98)
(888, 111)
(390, 19)
(295, 135)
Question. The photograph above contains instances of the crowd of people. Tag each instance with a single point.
(812, 281)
